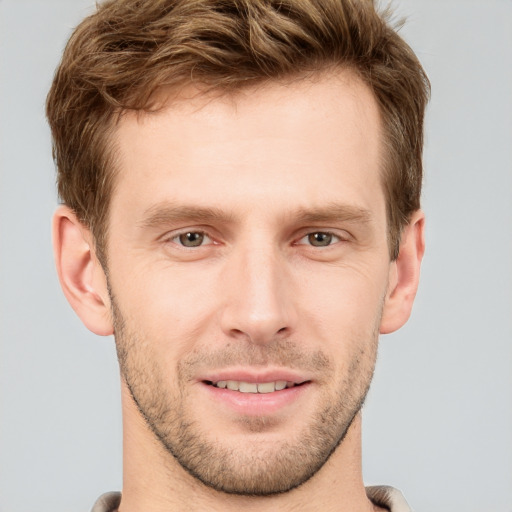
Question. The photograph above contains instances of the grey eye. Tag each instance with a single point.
(191, 239)
(320, 239)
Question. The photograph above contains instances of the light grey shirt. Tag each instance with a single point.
(381, 495)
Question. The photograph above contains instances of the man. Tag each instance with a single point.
(241, 186)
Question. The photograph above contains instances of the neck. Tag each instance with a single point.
(153, 480)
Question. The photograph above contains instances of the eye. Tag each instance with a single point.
(320, 239)
(192, 239)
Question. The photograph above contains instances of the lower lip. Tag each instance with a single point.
(257, 404)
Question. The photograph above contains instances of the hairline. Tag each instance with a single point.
(167, 97)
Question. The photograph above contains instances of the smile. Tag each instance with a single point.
(253, 387)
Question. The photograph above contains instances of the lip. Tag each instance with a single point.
(255, 404)
(250, 375)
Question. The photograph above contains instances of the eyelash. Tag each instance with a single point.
(327, 233)
(177, 239)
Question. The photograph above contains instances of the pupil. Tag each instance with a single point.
(320, 239)
(191, 239)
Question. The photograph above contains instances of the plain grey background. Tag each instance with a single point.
(438, 421)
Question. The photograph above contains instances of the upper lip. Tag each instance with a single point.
(255, 376)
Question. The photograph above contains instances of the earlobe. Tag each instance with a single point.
(81, 276)
(404, 275)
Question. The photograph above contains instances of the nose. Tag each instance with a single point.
(258, 289)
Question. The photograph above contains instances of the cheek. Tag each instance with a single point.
(177, 306)
(168, 306)
(341, 311)
(349, 295)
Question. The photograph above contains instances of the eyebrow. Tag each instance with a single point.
(162, 214)
(333, 212)
(167, 214)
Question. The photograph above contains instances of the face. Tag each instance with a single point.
(248, 267)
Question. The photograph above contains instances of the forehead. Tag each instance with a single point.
(315, 99)
(295, 142)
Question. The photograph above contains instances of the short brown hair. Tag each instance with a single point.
(129, 50)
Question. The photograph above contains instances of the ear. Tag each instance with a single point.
(80, 273)
(404, 275)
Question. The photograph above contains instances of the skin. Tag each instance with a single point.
(280, 186)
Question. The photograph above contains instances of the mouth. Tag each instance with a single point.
(248, 393)
(254, 387)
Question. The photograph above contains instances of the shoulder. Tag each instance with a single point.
(107, 502)
(388, 497)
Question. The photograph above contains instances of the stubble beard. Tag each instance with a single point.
(261, 469)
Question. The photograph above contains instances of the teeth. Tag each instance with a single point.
(266, 387)
(232, 384)
(248, 387)
(253, 387)
(280, 384)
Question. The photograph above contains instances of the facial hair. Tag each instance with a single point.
(260, 468)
